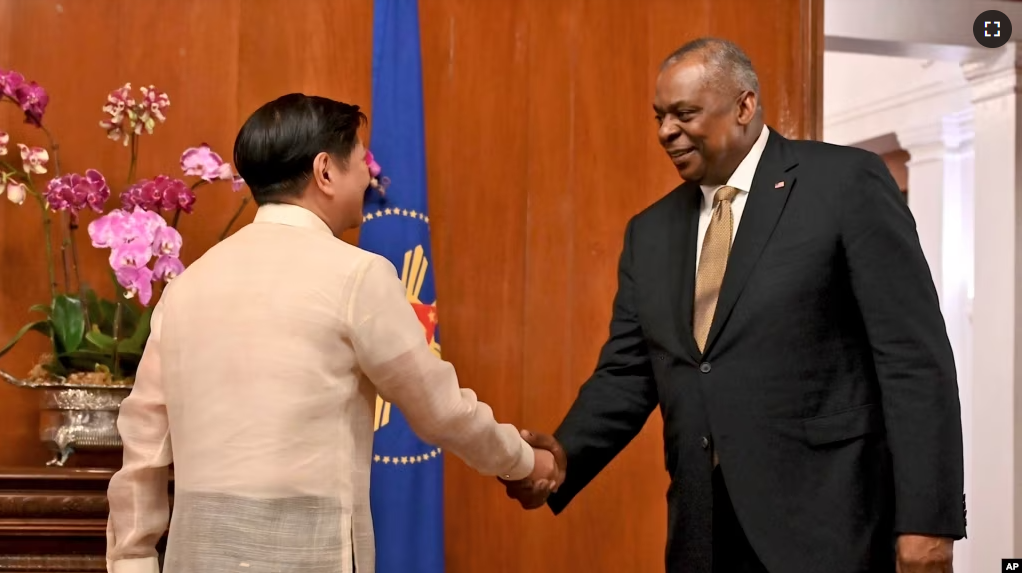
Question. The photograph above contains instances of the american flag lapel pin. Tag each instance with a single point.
(779, 185)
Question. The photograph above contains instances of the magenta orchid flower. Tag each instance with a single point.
(74, 192)
(376, 181)
(374, 167)
(33, 159)
(159, 194)
(30, 96)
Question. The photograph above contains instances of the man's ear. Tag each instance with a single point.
(321, 173)
(748, 103)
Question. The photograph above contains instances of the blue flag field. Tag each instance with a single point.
(407, 479)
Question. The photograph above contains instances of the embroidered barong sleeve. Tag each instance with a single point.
(392, 350)
(137, 494)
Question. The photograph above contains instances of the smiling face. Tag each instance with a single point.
(702, 120)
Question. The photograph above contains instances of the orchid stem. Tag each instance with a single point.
(237, 214)
(134, 157)
(63, 251)
(177, 217)
(47, 235)
(54, 148)
(116, 372)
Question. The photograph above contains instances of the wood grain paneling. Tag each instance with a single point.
(540, 146)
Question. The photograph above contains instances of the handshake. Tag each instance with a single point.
(548, 472)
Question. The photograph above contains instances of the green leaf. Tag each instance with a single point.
(138, 339)
(43, 308)
(68, 323)
(92, 306)
(42, 326)
(100, 340)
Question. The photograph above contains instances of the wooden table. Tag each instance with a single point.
(53, 519)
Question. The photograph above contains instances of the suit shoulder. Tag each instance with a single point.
(831, 156)
(661, 210)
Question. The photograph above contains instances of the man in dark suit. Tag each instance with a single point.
(778, 308)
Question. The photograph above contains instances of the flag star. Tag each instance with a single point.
(387, 211)
(380, 213)
(419, 458)
(369, 217)
(404, 212)
(387, 459)
(427, 219)
(376, 458)
(433, 454)
(404, 459)
(412, 212)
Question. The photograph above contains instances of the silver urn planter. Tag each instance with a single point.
(77, 413)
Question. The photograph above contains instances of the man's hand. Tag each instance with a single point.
(923, 554)
(548, 472)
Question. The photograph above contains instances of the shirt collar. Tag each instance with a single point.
(291, 215)
(742, 177)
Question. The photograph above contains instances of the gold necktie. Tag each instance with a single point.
(713, 259)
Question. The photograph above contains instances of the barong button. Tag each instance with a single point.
(705, 367)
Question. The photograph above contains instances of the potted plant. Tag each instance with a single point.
(95, 342)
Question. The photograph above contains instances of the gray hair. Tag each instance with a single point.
(725, 62)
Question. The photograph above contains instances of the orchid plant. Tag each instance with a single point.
(95, 340)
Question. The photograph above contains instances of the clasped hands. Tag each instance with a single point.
(548, 473)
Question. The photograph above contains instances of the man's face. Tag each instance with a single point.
(699, 124)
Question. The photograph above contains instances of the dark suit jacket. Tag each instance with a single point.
(827, 386)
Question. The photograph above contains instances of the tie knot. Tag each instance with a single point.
(725, 193)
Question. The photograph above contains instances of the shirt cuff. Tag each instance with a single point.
(524, 466)
(141, 565)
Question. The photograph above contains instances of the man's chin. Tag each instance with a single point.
(690, 173)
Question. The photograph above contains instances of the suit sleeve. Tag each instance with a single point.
(915, 368)
(615, 403)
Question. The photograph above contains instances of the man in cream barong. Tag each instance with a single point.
(260, 377)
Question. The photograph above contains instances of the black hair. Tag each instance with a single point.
(274, 150)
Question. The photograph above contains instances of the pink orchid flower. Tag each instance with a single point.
(167, 268)
(135, 254)
(136, 282)
(4, 140)
(167, 242)
(33, 159)
(206, 164)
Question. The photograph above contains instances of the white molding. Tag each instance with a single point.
(935, 90)
(959, 131)
(995, 76)
(899, 114)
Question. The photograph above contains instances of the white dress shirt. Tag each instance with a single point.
(259, 383)
(741, 179)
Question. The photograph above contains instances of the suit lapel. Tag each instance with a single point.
(759, 217)
(682, 236)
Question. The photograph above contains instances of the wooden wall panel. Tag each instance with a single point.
(540, 146)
